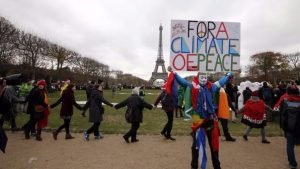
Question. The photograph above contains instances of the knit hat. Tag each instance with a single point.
(135, 90)
(41, 83)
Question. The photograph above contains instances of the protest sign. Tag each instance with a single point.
(205, 46)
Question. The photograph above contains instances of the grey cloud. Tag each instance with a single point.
(126, 32)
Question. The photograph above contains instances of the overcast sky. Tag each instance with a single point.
(124, 33)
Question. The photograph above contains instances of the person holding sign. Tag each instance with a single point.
(204, 117)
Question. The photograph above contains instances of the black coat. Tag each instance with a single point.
(3, 140)
(29, 99)
(167, 101)
(96, 109)
(68, 100)
(38, 98)
(135, 104)
(246, 94)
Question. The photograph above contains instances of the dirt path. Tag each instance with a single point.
(152, 152)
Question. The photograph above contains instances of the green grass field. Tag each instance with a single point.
(114, 121)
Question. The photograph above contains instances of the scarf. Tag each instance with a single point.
(204, 102)
(223, 109)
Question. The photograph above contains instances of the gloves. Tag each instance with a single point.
(276, 108)
(230, 75)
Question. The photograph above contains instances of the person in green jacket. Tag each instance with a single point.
(24, 90)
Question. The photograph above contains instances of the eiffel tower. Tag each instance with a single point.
(159, 62)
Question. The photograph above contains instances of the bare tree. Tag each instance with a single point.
(84, 65)
(60, 54)
(30, 48)
(104, 71)
(269, 62)
(8, 35)
(117, 73)
(294, 58)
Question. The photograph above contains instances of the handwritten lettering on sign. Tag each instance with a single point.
(205, 46)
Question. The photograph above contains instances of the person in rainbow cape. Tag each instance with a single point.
(201, 108)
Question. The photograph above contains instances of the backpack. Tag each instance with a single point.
(266, 94)
(290, 117)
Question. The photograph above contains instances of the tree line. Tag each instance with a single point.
(35, 58)
(274, 67)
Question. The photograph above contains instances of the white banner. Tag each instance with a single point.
(205, 46)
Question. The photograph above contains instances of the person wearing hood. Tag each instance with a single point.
(134, 113)
(289, 110)
(254, 114)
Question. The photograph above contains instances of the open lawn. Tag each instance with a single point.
(114, 121)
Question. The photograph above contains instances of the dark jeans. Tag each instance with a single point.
(26, 125)
(168, 127)
(133, 131)
(66, 125)
(214, 154)
(94, 128)
(30, 125)
(290, 145)
(1, 121)
(195, 152)
(224, 123)
(12, 121)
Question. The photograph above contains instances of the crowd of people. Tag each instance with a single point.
(203, 102)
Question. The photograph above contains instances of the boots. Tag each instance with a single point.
(54, 134)
(68, 136)
(27, 136)
(38, 135)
